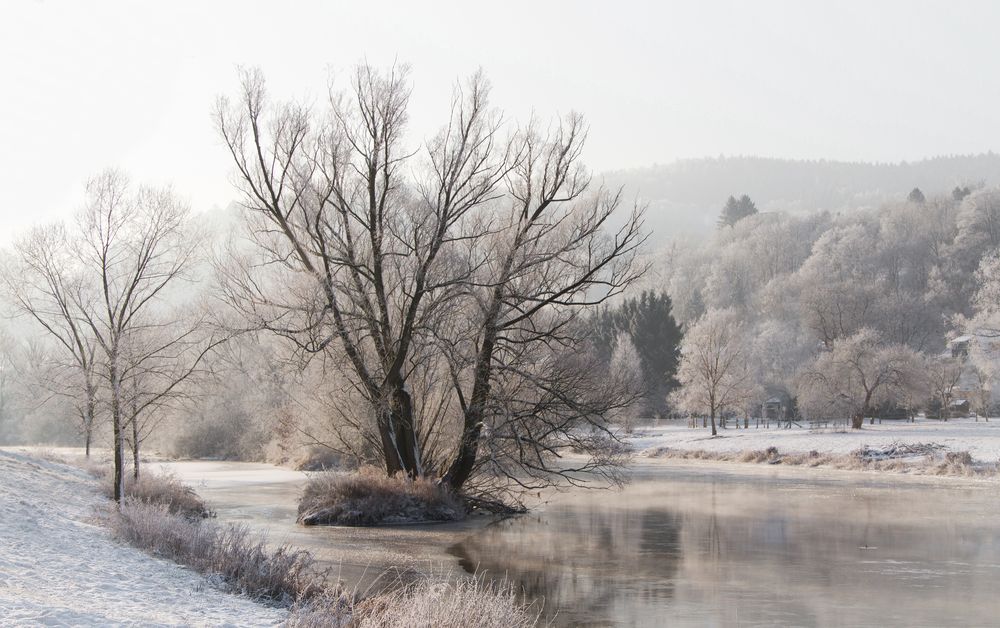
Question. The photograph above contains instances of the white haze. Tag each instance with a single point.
(90, 85)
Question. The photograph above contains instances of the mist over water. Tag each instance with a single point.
(687, 546)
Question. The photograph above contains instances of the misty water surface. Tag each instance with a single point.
(688, 546)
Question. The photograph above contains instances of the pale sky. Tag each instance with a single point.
(86, 85)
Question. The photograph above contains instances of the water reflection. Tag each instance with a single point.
(695, 546)
(717, 549)
(576, 561)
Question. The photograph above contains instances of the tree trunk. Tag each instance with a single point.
(468, 449)
(396, 429)
(135, 448)
(119, 435)
(88, 423)
(858, 420)
(119, 477)
(406, 437)
(714, 432)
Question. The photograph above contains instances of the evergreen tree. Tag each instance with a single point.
(729, 214)
(736, 210)
(649, 322)
(916, 196)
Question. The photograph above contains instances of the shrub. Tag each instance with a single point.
(958, 458)
(369, 498)
(321, 459)
(225, 436)
(163, 489)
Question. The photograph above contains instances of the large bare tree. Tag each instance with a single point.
(468, 257)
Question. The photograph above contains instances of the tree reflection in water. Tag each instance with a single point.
(574, 559)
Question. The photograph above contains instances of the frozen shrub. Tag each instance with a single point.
(368, 497)
(240, 559)
(958, 458)
(163, 489)
(321, 459)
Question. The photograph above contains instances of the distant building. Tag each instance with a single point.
(773, 408)
(975, 392)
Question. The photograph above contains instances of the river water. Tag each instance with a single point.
(686, 546)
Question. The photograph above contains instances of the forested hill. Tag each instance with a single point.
(685, 197)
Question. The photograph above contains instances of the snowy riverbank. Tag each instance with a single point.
(981, 439)
(58, 567)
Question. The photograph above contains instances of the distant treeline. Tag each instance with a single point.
(685, 197)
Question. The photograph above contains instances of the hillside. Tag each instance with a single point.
(685, 197)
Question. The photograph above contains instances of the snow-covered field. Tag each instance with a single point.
(59, 568)
(980, 439)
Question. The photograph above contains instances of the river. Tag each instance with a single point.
(683, 545)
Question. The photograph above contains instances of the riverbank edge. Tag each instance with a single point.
(307, 596)
(730, 464)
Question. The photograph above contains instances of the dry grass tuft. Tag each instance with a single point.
(369, 498)
(240, 559)
(769, 455)
(427, 602)
(469, 602)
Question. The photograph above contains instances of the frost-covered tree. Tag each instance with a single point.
(102, 291)
(626, 364)
(857, 374)
(44, 283)
(715, 374)
(942, 374)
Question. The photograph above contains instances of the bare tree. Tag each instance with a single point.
(10, 374)
(44, 283)
(133, 247)
(714, 372)
(386, 260)
(102, 291)
(550, 259)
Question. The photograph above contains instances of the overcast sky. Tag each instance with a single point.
(87, 85)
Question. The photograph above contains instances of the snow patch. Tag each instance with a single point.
(58, 568)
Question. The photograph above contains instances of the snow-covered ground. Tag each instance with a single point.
(980, 439)
(58, 568)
